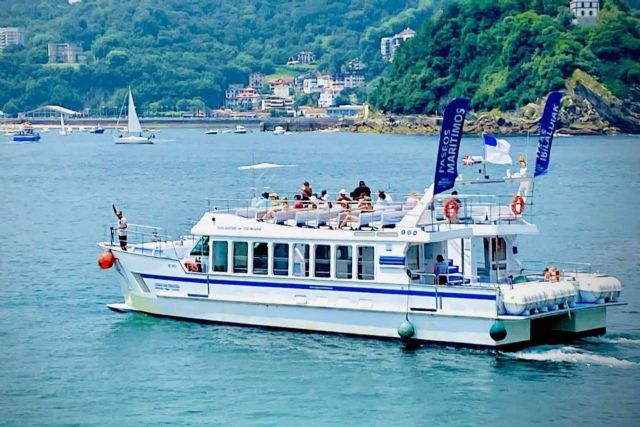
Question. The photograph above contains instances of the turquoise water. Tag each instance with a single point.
(66, 359)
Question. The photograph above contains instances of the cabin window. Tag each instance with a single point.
(413, 257)
(281, 259)
(240, 258)
(260, 258)
(301, 260)
(323, 261)
(220, 251)
(365, 263)
(344, 262)
(202, 247)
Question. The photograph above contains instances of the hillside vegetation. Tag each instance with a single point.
(506, 53)
(179, 53)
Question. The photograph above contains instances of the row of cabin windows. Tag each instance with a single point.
(290, 259)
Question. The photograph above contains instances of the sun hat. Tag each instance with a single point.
(343, 191)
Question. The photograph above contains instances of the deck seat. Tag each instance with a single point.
(281, 217)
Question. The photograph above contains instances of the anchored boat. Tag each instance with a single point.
(134, 133)
(374, 276)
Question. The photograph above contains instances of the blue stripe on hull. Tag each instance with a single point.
(321, 287)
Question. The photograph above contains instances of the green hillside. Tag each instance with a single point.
(177, 53)
(506, 53)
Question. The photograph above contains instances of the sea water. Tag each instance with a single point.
(66, 359)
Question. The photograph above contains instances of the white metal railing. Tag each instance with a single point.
(476, 209)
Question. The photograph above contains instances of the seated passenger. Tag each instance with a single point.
(347, 218)
(324, 202)
(365, 204)
(343, 200)
(298, 202)
(263, 202)
(282, 207)
(383, 200)
(412, 200)
(306, 191)
(361, 189)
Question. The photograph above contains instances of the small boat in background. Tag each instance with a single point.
(134, 129)
(240, 129)
(279, 130)
(26, 134)
(211, 132)
(97, 130)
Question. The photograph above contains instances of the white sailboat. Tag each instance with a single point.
(63, 130)
(134, 130)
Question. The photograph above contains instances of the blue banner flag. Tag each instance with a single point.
(450, 137)
(547, 127)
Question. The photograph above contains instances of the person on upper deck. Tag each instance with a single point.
(298, 202)
(263, 202)
(365, 204)
(412, 200)
(343, 200)
(282, 207)
(361, 189)
(383, 200)
(323, 201)
(305, 191)
(441, 269)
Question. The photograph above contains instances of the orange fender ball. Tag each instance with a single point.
(106, 260)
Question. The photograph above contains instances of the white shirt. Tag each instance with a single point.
(122, 226)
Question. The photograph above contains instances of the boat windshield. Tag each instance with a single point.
(202, 247)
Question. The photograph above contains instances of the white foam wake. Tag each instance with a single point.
(570, 355)
(613, 340)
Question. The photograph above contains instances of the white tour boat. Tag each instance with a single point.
(134, 134)
(240, 129)
(279, 130)
(300, 270)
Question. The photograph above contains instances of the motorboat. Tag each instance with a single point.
(279, 130)
(26, 134)
(240, 129)
(99, 130)
(211, 132)
(444, 269)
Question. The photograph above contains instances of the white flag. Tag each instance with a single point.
(497, 150)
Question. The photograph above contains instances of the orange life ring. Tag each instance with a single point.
(517, 205)
(451, 208)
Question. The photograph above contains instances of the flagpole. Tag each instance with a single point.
(484, 158)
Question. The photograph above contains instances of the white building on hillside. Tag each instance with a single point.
(585, 12)
(11, 35)
(389, 45)
(328, 98)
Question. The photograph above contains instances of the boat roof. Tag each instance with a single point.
(221, 224)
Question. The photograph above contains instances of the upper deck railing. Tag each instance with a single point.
(477, 209)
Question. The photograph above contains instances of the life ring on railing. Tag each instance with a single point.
(517, 205)
(451, 208)
(190, 264)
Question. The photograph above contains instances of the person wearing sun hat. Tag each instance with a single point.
(343, 200)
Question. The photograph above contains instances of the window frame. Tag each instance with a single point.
(246, 256)
(360, 275)
(336, 261)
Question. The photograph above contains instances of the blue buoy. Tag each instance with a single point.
(406, 330)
(498, 332)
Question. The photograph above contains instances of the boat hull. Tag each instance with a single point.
(458, 316)
(22, 138)
(133, 140)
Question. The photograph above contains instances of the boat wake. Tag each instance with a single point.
(612, 340)
(569, 355)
